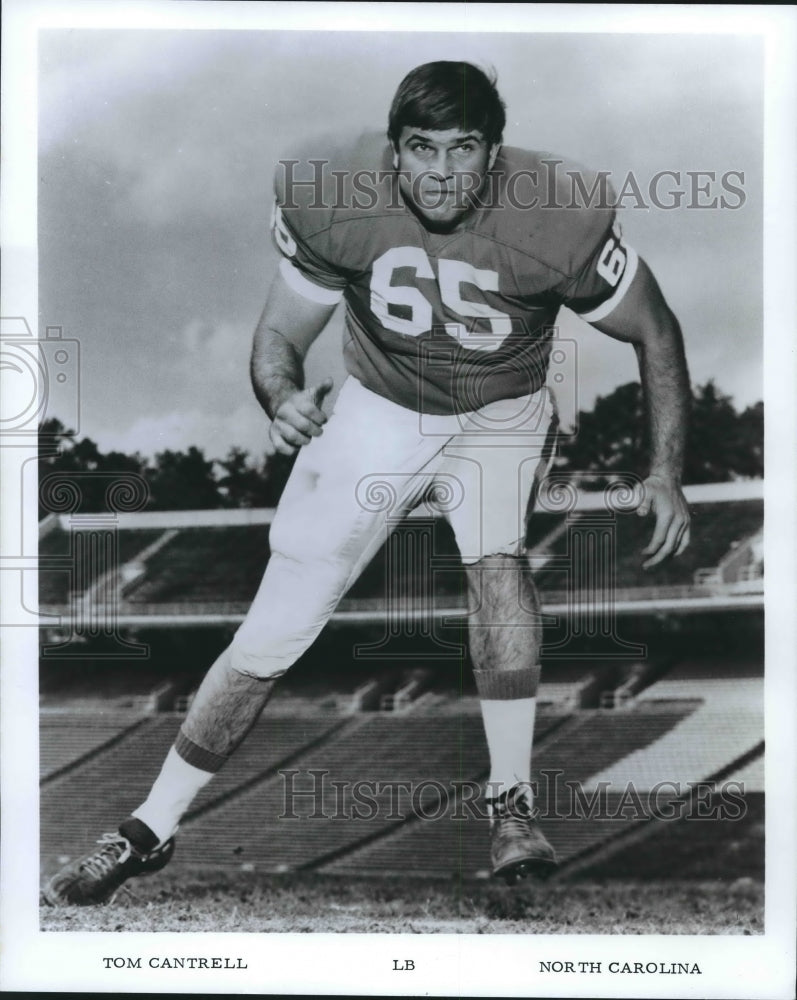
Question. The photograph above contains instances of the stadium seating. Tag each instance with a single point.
(98, 685)
(383, 748)
(723, 839)
(727, 723)
(716, 528)
(222, 563)
(105, 785)
(749, 775)
(58, 583)
(66, 737)
(699, 716)
(123, 771)
(275, 741)
(202, 564)
(566, 753)
(236, 818)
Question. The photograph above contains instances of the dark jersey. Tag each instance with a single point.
(445, 323)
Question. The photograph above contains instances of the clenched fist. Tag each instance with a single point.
(299, 418)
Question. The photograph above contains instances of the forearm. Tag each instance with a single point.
(277, 370)
(288, 326)
(665, 382)
(645, 320)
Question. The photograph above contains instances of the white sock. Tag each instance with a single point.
(509, 727)
(174, 790)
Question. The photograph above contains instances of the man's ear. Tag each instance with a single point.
(495, 149)
(395, 155)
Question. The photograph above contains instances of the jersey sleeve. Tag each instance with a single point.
(303, 265)
(604, 278)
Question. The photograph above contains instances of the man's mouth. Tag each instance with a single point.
(437, 195)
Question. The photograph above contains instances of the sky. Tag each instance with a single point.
(156, 156)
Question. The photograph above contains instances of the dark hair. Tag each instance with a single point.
(445, 95)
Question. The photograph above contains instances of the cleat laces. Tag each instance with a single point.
(114, 850)
(512, 814)
(513, 823)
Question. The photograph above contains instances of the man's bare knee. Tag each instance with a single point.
(501, 592)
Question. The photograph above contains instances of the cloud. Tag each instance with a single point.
(218, 349)
(177, 430)
(88, 76)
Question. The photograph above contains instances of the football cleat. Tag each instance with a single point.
(518, 847)
(95, 878)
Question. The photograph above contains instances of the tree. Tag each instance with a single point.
(611, 439)
(243, 484)
(721, 443)
(183, 480)
(750, 442)
(84, 463)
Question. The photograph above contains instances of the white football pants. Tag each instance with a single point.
(373, 463)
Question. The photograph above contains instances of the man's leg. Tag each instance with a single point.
(505, 639)
(323, 535)
(499, 466)
(224, 709)
(321, 538)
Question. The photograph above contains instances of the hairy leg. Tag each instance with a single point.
(226, 706)
(505, 636)
(324, 533)
(505, 621)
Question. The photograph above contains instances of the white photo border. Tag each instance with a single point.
(463, 965)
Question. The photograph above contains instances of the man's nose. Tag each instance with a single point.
(443, 164)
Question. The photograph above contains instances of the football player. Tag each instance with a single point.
(453, 254)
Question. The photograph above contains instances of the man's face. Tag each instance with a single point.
(440, 172)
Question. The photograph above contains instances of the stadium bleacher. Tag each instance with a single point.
(564, 755)
(201, 564)
(723, 839)
(208, 560)
(65, 740)
(378, 749)
(97, 685)
(237, 818)
(58, 572)
(716, 529)
(104, 785)
(692, 713)
(750, 775)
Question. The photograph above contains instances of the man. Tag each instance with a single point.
(453, 255)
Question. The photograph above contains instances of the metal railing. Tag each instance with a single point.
(561, 599)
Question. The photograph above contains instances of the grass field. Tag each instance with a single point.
(306, 902)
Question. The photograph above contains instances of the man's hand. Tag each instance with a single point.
(299, 418)
(671, 534)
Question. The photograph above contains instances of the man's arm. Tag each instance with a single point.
(644, 319)
(288, 326)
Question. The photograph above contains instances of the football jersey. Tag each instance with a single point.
(445, 323)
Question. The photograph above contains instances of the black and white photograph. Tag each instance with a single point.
(387, 394)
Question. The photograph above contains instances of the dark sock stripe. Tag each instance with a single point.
(139, 834)
(507, 685)
(197, 756)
